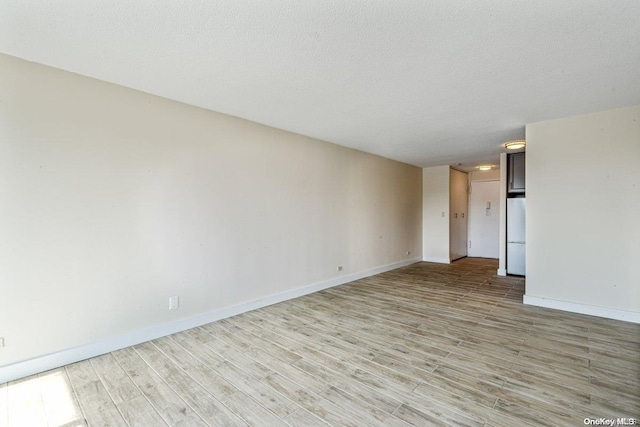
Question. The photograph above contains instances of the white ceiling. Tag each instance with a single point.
(424, 82)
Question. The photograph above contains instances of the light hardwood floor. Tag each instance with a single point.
(428, 344)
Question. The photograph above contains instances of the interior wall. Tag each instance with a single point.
(112, 200)
(490, 175)
(583, 210)
(502, 260)
(435, 210)
(459, 213)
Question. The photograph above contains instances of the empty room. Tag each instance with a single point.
(242, 213)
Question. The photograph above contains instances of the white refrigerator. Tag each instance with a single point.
(516, 236)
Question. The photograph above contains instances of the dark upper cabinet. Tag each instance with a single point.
(516, 170)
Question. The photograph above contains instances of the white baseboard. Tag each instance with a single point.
(592, 310)
(55, 360)
(438, 260)
(502, 272)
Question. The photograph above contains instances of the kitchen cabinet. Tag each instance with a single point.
(516, 173)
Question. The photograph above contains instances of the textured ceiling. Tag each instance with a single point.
(424, 82)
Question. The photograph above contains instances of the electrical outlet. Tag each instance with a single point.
(174, 303)
(339, 268)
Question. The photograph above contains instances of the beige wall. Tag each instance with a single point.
(435, 209)
(490, 175)
(458, 213)
(112, 200)
(583, 212)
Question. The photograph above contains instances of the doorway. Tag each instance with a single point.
(484, 219)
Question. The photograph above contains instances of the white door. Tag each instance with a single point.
(484, 219)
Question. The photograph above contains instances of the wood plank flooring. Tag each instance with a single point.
(428, 344)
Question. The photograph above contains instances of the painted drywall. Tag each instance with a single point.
(435, 210)
(583, 210)
(458, 213)
(490, 175)
(112, 200)
(502, 260)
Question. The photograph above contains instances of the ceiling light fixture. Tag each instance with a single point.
(485, 167)
(515, 145)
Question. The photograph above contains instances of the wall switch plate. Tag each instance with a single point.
(174, 303)
(408, 252)
(1, 341)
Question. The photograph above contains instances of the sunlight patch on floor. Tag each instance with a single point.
(43, 400)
